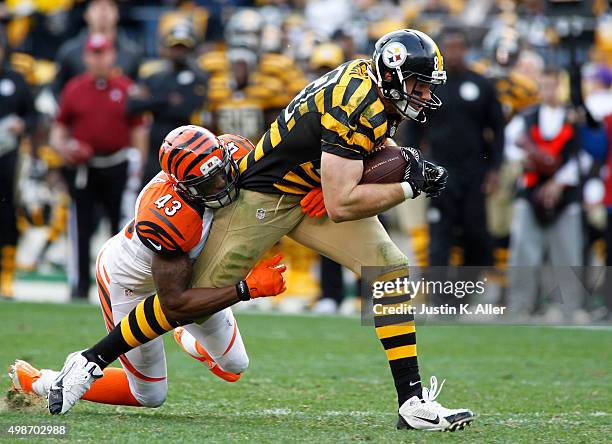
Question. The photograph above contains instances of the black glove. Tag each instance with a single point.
(435, 179)
(415, 171)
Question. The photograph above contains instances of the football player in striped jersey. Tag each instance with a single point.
(318, 142)
(143, 276)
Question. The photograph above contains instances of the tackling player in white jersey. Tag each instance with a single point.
(143, 276)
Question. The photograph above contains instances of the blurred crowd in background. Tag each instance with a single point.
(88, 89)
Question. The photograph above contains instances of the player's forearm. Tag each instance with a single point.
(345, 198)
(195, 303)
(363, 201)
(180, 303)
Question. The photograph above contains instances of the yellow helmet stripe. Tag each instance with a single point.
(440, 59)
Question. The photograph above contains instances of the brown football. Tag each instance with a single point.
(384, 165)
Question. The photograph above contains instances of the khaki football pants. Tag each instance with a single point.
(241, 233)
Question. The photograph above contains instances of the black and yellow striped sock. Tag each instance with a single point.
(399, 342)
(397, 334)
(144, 323)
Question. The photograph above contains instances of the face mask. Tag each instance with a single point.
(408, 111)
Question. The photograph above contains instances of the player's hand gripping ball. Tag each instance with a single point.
(415, 169)
(395, 164)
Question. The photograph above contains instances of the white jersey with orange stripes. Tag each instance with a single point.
(164, 224)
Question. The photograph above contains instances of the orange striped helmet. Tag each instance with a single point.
(201, 169)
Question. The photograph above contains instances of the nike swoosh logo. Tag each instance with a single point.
(431, 421)
(156, 246)
(58, 384)
(414, 383)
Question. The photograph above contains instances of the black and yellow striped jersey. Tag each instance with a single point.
(339, 113)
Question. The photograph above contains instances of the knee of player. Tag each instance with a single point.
(401, 261)
(235, 364)
(153, 399)
(388, 255)
(396, 262)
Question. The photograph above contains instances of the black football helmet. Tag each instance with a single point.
(401, 55)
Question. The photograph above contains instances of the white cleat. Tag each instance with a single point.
(72, 382)
(428, 414)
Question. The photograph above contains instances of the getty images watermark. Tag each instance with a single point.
(412, 289)
(550, 295)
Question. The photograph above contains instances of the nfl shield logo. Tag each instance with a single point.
(261, 213)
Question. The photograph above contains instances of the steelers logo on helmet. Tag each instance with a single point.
(394, 54)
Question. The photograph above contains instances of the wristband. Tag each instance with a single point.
(408, 193)
(242, 290)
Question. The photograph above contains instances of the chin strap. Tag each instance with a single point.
(419, 117)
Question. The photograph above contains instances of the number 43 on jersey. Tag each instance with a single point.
(170, 210)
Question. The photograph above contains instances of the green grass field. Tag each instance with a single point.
(326, 380)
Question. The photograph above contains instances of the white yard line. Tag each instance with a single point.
(498, 417)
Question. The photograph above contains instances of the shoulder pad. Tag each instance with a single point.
(165, 223)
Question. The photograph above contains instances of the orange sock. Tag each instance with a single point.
(112, 388)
